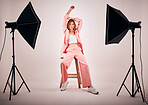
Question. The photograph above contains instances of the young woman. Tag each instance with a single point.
(72, 47)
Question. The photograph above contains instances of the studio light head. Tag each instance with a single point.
(117, 25)
(11, 25)
(134, 25)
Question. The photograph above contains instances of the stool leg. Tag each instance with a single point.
(78, 73)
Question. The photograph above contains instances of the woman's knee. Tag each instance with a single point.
(63, 63)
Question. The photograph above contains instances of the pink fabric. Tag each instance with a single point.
(66, 34)
(75, 51)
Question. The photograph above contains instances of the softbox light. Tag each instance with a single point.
(117, 25)
(28, 25)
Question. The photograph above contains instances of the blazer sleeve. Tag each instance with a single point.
(65, 23)
(79, 23)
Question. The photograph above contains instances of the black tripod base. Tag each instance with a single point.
(134, 92)
(12, 84)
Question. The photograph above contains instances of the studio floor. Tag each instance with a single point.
(49, 94)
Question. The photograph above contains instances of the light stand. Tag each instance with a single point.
(134, 73)
(12, 73)
(117, 25)
(28, 25)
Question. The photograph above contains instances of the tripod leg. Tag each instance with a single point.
(14, 91)
(11, 84)
(123, 81)
(139, 85)
(22, 79)
(7, 80)
(133, 72)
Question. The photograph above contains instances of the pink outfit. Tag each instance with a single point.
(66, 32)
(74, 50)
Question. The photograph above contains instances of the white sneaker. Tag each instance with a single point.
(91, 89)
(64, 85)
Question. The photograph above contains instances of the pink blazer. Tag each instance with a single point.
(66, 34)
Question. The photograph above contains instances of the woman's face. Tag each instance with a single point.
(71, 26)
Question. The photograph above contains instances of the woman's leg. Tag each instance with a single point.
(65, 65)
(84, 69)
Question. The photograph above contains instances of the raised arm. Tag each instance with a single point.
(79, 23)
(67, 17)
(70, 9)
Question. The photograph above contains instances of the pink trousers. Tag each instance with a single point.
(75, 51)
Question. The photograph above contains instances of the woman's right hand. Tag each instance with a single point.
(72, 7)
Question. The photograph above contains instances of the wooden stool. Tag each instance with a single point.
(77, 75)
